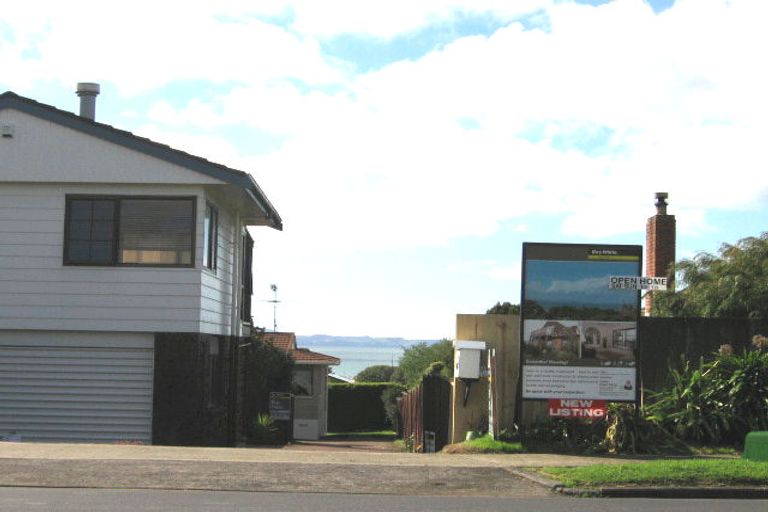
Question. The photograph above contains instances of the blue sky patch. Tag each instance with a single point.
(368, 53)
(657, 5)
(468, 123)
(590, 140)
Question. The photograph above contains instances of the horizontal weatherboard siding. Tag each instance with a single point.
(37, 291)
(216, 301)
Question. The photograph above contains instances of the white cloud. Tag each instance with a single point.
(506, 273)
(122, 44)
(387, 159)
(384, 161)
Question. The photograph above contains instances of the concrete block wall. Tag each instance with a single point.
(183, 413)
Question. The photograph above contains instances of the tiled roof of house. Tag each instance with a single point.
(306, 356)
(147, 146)
(286, 341)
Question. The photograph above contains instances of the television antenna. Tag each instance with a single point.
(274, 302)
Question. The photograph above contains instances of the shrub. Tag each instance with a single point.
(263, 430)
(626, 431)
(564, 435)
(376, 373)
(267, 369)
(621, 431)
(358, 406)
(511, 434)
(689, 407)
(717, 401)
(389, 398)
(436, 369)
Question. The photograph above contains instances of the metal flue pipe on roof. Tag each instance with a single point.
(87, 91)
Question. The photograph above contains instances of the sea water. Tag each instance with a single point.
(356, 359)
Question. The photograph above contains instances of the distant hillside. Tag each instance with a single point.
(324, 340)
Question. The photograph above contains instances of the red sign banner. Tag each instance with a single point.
(576, 408)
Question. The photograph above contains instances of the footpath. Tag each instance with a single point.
(298, 468)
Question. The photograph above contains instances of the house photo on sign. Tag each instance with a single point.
(579, 334)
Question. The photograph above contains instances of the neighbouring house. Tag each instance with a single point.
(310, 386)
(125, 282)
(335, 378)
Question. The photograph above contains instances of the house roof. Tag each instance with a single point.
(306, 356)
(286, 341)
(243, 180)
(340, 378)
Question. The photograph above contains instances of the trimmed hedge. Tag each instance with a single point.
(358, 406)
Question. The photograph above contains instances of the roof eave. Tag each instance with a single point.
(318, 363)
(149, 147)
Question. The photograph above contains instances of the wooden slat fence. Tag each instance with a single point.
(426, 409)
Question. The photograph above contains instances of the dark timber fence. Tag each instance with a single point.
(426, 409)
(663, 341)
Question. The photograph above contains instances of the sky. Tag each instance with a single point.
(412, 146)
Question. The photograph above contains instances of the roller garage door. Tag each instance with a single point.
(76, 387)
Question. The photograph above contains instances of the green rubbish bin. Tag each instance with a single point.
(756, 447)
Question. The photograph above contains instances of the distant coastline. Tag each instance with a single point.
(320, 340)
(358, 352)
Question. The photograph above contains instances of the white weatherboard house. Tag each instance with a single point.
(125, 270)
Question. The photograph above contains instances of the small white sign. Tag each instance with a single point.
(637, 283)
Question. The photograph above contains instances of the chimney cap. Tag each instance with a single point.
(661, 203)
(88, 88)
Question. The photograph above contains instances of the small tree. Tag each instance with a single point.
(268, 369)
(731, 285)
(417, 358)
(376, 373)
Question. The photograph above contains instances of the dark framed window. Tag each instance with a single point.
(303, 382)
(210, 236)
(90, 231)
(130, 231)
(246, 279)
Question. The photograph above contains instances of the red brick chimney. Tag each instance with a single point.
(660, 245)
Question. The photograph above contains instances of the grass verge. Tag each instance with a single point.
(685, 472)
(484, 444)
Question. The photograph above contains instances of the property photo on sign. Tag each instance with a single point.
(579, 334)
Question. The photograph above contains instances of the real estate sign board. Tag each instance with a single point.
(579, 332)
(280, 406)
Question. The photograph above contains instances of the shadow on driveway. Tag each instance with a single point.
(346, 444)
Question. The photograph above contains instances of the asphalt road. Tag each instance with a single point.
(266, 477)
(13, 499)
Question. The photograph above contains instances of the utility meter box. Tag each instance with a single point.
(467, 358)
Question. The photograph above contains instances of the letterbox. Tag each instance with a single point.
(467, 358)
